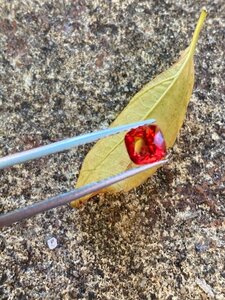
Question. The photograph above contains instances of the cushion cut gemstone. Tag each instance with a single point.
(145, 144)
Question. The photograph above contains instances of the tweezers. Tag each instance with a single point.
(9, 218)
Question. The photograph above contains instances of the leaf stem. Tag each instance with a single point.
(198, 28)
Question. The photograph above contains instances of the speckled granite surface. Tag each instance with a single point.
(68, 67)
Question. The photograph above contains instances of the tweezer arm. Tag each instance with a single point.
(66, 144)
(29, 211)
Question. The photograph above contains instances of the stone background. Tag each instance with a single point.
(69, 67)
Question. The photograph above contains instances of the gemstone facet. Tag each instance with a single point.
(145, 144)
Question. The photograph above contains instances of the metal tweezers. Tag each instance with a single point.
(62, 199)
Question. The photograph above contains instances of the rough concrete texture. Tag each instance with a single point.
(69, 67)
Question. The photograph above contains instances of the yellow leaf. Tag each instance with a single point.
(165, 99)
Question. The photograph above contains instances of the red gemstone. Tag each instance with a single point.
(145, 144)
